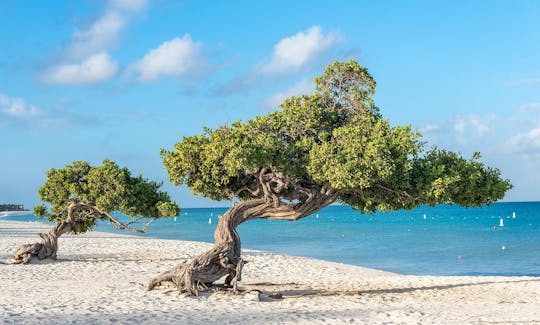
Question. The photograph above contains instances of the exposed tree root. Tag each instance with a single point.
(24, 253)
(77, 212)
(47, 249)
(202, 272)
(277, 198)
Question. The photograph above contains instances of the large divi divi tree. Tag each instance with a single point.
(80, 194)
(330, 146)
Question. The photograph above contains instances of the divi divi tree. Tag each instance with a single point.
(80, 194)
(330, 146)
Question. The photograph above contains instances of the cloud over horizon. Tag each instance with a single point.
(527, 143)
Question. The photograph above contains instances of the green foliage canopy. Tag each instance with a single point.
(334, 137)
(105, 188)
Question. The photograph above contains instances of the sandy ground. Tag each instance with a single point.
(101, 278)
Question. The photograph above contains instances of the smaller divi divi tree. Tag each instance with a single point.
(80, 194)
(330, 146)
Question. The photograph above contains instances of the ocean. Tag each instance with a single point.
(441, 240)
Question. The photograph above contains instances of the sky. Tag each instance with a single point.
(121, 79)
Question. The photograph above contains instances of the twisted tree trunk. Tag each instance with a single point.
(77, 213)
(48, 248)
(224, 258)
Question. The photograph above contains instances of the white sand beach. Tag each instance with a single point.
(101, 278)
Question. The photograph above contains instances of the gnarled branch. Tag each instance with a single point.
(224, 258)
(77, 213)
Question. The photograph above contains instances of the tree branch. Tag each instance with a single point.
(78, 211)
(401, 193)
(125, 226)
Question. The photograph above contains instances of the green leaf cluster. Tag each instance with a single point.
(107, 187)
(337, 137)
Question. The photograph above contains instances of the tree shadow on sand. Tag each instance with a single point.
(283, 291)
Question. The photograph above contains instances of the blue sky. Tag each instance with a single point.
(120, 79)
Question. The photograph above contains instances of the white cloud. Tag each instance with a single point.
(525, 143)
(480, 124)
(461, 132)
(290, 54)
(96, 68)
(295, 51)
(303, 87)
(102, 34)
(435, 133)
(84, 59)
(17, 107)
(177, 57)
(530, 108)
(431, 128)
(459, 126)
(16, 112)
(105, 30)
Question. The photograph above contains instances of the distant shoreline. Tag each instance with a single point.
(3, 213)
(13, 213)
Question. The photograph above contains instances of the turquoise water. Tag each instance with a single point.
(449, 241)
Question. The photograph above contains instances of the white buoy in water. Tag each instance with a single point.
(503, 248)
(185, 213)
(317, 216)
(425, 216)
(501, 222)
(209, 221)
(513, 215)
(211, 214)
(174, 219)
